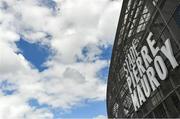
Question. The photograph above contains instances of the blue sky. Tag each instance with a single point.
(34, 52)
(55, 57)
(87, 110)
(37, 55)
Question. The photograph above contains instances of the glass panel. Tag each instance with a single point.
(174, 24)
(150, 115)
(168, 7)
(140, 113)
(175, 76)
(173, 105)
(157, 26)
(165, 86)
(177, 16)
(159, 112)
(156, 98)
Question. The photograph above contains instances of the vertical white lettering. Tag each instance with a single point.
(152, 79)
(142, 99)
(130, 61)
(125, 69)
(151, 44)
(140, 66)
(132, 78)
(134, 47)
(129, 84)
(147, 59)
(135, 100)
(167, 51)
(145, 85)
(160, 67)
(135, 72)
(133, 55)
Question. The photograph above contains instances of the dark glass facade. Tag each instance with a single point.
(140, 19)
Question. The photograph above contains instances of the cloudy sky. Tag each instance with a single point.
(54, 57)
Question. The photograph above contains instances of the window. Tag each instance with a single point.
(177, 16)
(166, 86)
(115, 109)
(175, 76)
(160, 112)
(156, 99)
(150, 115)
(168, 7)
(173, 105)
(143, 20)
(157, 26)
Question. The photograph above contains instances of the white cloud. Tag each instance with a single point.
(11, 62)
(108, 22)
(71, 76)
(13, 107)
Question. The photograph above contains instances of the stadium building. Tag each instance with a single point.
(144, 75)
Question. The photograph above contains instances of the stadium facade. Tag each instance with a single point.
(144, 75)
